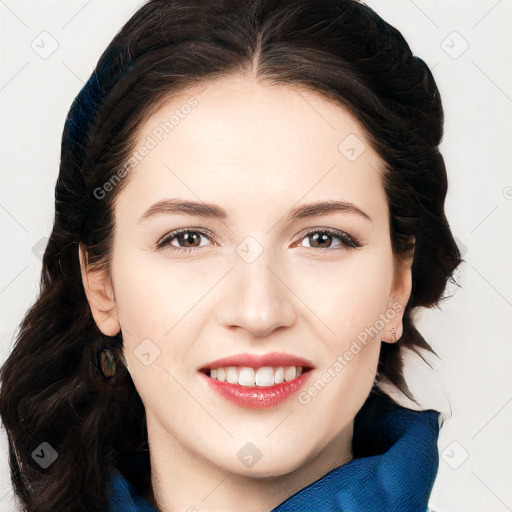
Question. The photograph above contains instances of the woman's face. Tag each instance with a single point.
(252, 281)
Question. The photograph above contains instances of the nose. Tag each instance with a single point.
(256, 298)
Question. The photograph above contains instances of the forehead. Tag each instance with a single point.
(255, 141)
(241, 112)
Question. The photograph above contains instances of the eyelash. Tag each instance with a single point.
(348, 241)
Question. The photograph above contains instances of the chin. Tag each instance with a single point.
(265, 468)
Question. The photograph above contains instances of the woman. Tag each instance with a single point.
(250, 206)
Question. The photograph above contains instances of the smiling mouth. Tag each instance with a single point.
(264, 376)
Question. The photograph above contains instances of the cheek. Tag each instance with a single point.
(155, 297)
(347, 297)
(152, 293)
(160, 301)
(151, 296)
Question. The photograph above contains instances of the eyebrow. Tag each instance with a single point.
(201, 209)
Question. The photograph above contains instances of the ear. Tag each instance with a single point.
(100, 296)
(398, 299)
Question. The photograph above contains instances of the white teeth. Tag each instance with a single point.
(247, 376)
(290, 373)
(231, 375)
(264, 376)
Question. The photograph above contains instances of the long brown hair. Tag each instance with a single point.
(52, 391)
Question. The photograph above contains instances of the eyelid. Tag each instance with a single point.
(338, 233)
(175, 232)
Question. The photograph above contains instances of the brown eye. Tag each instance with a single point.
(187, 239)
(323, 239)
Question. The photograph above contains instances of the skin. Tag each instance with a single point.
(257, 150)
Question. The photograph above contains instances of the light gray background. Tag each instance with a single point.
(471, 332)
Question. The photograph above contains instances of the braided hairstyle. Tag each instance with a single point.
(51, 389)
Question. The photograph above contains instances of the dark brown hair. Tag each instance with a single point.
(52, 390)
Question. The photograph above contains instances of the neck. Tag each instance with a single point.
(182, 480)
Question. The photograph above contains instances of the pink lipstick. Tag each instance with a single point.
(247, 372)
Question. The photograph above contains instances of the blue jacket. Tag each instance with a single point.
(393, 470)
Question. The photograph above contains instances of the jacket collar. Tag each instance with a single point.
(394, 467)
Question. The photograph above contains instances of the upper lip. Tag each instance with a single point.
(274, 359)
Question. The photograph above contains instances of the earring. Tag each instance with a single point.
(394, 331)
(107, 363)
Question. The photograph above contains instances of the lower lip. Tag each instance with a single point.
(257, 397)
